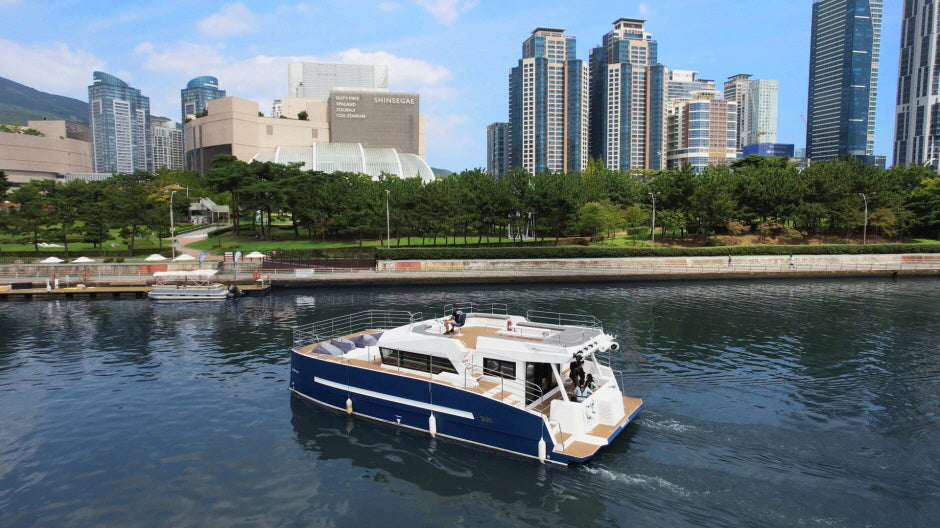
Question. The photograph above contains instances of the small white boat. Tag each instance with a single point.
(500, 382)
(190, 285)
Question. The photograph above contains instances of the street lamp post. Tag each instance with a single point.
(865, 224)
(388, 223)
(653, 230)
(172, 227)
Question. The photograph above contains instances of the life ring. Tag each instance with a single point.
(256, 275)
(86, 276)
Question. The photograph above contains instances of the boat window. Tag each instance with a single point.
(439, 365)
(389, 357)
(497, 367)
(415, 361)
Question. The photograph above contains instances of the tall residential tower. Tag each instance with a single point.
(548, 105)
(119, 118)
(917, 124)
(627, 99)
(843, 78)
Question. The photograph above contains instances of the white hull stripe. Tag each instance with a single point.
(395, 399)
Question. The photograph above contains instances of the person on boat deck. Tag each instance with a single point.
(457, 319)
(581, 392)
(590, 383)
(577, 370)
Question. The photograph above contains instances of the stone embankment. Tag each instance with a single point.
(511, 271)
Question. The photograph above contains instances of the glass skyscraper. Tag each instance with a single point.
(196, 95)
(843, 78)
(497, 149)
(548, 105)
(917, 124)
(120, 126)
(625, 109)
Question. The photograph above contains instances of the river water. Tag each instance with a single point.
(767, 403)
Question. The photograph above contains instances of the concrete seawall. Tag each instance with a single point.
(428, 272)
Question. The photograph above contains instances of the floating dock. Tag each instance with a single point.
(104, 290)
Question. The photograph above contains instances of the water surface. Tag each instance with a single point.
(767, 403)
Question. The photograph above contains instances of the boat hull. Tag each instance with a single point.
(184, 293)
(409, 402)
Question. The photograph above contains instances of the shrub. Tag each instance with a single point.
(738, 229)
(547, 252)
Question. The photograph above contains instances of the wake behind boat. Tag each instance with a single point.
(189, 285)
(499, 382)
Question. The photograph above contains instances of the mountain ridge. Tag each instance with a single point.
(20, 103)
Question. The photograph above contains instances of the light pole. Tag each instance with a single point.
(865, 225)
(653, 230)
(172, 227)
(388, 223)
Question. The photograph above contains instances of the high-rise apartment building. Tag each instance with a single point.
(757, 108)
(702, 131)
(316, 79)
(167, 139)
(197, 94)
(497, 149)
(917, 123)
(119, 118)
(738, 89)
(843, 78)
(548, 105)
(626, 99)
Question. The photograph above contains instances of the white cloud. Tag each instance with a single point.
(404, 73)
(58, 69)
(232, 19)
(447, 11)
(389, 6)
(644, 9)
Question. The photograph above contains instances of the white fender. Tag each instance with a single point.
(542, 450)
(432, 425)
(348, 405)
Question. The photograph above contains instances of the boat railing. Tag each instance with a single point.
(471, 307)
(530, 391)
(344, 325)
(560, 431)
(563, 319)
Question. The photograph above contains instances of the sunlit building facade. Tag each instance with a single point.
(702, 131)
(548, 105)
(626, 98)
(167, 139)
(917, 119)
(119, 119)
(843, 78)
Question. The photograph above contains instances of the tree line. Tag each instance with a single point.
(756, 194)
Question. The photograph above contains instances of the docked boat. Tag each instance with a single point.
(189, 285)
(502, 381)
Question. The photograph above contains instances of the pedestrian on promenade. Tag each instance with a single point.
(729, 260)
(792, 265)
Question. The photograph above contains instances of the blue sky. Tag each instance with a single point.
(455, 53)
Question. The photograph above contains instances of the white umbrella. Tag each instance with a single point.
(155, 256)
(82, 260)
(184, 256)
(51, 260)
(256, 254)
